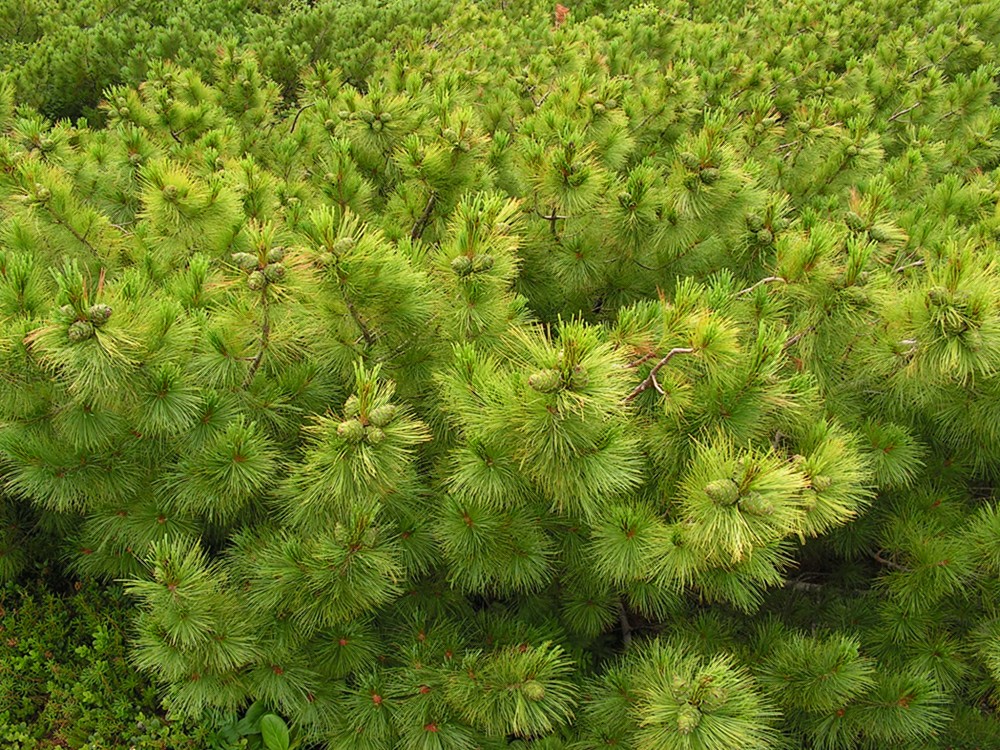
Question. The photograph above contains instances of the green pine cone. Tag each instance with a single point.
(579, 378)
(352, 431)
(276, 255)
(546, 381)
(352, 407)
(854, 221)
(274, 272)
(99, 314)
(462, 265)
(688, 718)
(710, 175)
(482, 263)
(374, 435)
(81, 330)
(765, 237)
(689, 160)
(533, 690)
(344, 245)
(382, 415)
(256, 281)
(756, 504)
(880, 234)
(246, 261)
(723, 491)
(821, 482)
(755, 222)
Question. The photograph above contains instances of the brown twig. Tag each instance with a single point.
(82, 238)
(265, 339)
(899, 113)
(625, 624)
(421, 225)
(766, 280)
(651, 381)
(891, 564)
(295, 120)
(915, 263)
(796, 338)
(365, 332)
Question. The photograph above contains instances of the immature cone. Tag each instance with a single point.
(545, 381)
(821, 482)
(755, 222)
(352, 431)
(723, 491)
(256, 281)
(276, 255)
(246, 261)
(344, 245)
(274, 272)
(710, 175)
(81, 330)
(99, 314)
(688, 718)
(533, 690)
(689, 160)
(756, 504)
(352, 407)
(879, 234)
(579, 378)
(374, 435)
(765, 237)
(482, 263)
(382, 415)
(461, 265)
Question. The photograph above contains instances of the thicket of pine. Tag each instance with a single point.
(631, 379)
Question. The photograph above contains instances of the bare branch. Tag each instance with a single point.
(915, 263)
(650, 381)
(797, 337)
(767, 280)
(891, 564)
(421, 225)
(295, 120)
(625, 624)
(899, 113)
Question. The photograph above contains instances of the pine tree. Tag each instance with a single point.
(623, 379)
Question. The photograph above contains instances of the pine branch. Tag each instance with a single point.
(421, 225)
(767, 280)
(82, 238)
(295, 120)
(625, 625)
(797, 337)
(914, 264)
(265, 339)
(899, 113)
(891, 564)
(365, 331)
(651, 381)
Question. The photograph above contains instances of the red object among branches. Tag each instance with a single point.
(561, 13)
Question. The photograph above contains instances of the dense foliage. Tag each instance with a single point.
(65, 680)
(624, 375)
